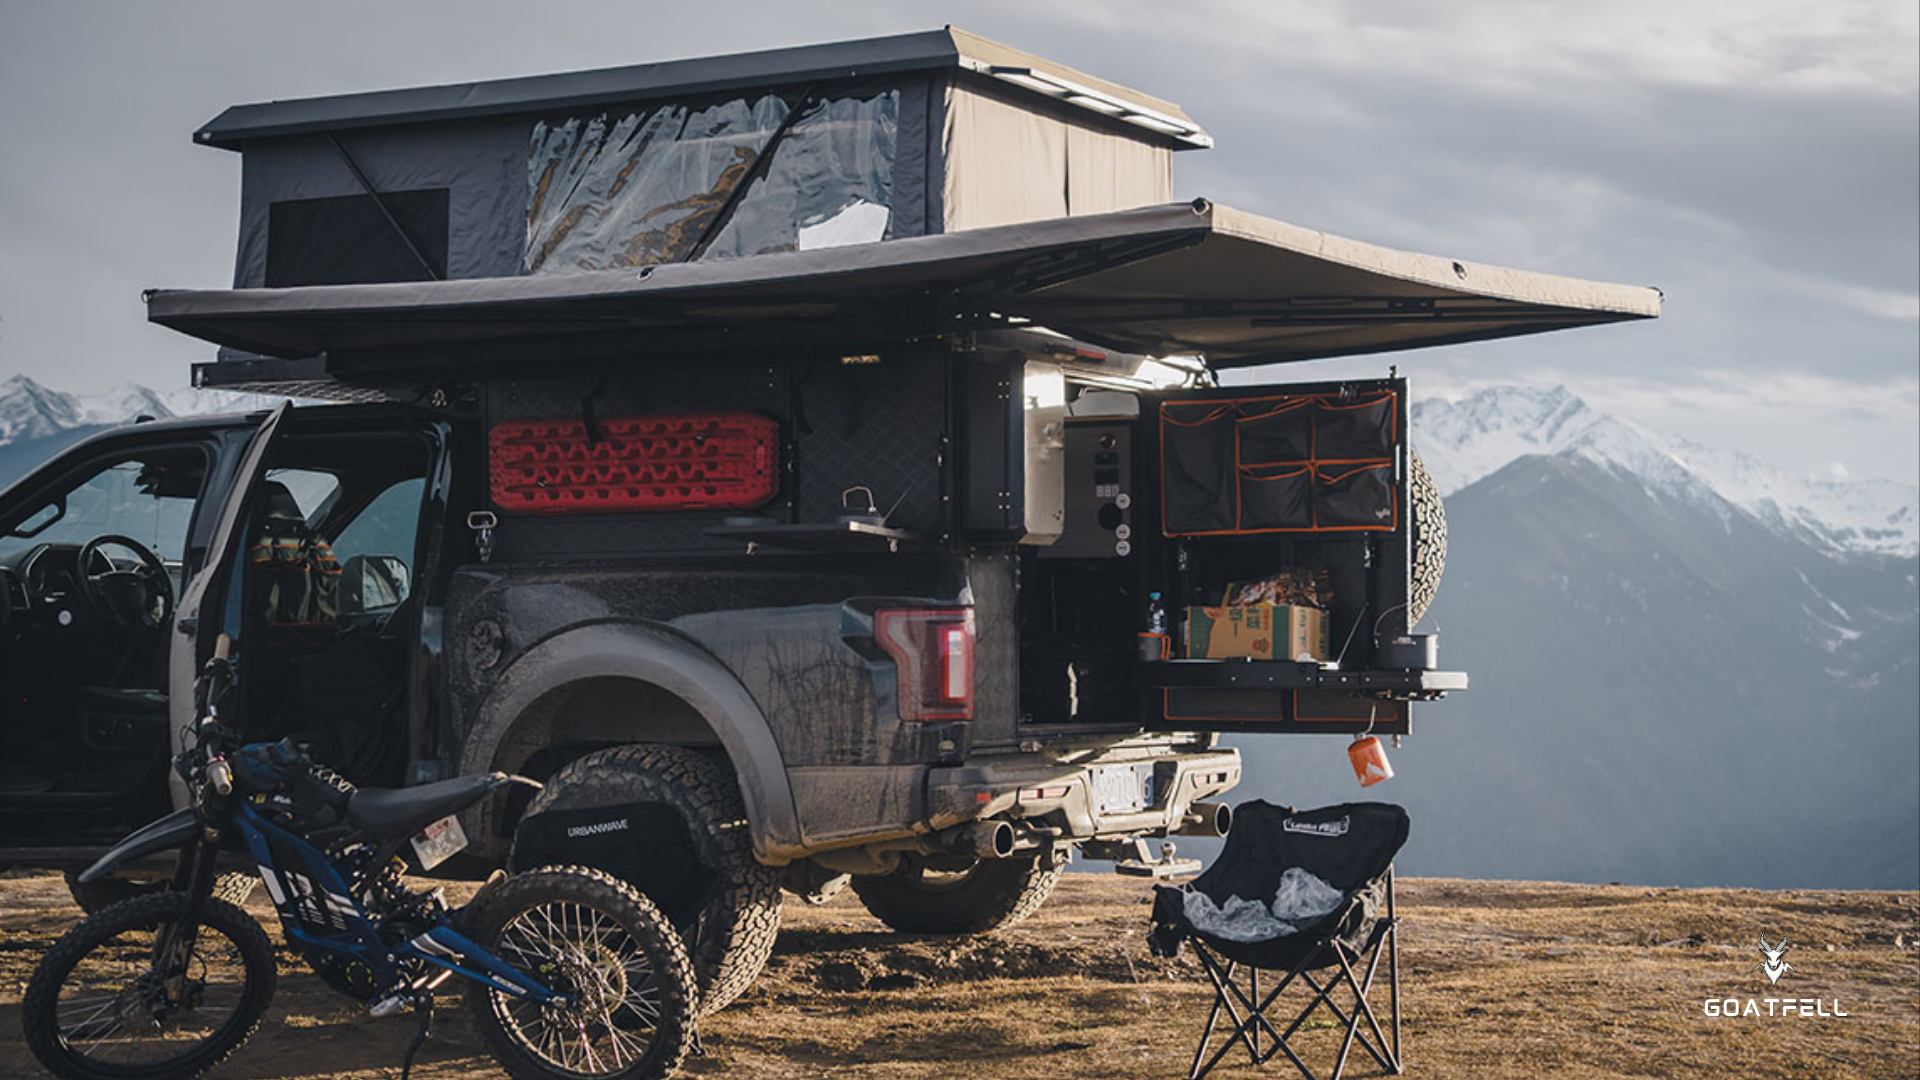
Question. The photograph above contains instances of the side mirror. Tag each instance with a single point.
(373, 583)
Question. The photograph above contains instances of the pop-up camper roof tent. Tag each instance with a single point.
(687, 160)
(835, 194)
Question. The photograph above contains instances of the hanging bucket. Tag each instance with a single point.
(1369, 761)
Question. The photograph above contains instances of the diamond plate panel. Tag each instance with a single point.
(877, 425)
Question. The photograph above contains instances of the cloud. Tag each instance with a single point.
(1776, 398)
(1881, 303)
(1564, 50)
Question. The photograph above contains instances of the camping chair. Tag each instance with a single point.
(1349, 847)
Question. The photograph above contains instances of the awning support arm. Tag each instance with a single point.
(1369, 312)
(385, 211)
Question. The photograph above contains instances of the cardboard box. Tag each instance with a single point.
(1256, 631)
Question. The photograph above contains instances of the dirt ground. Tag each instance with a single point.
(1499, 979)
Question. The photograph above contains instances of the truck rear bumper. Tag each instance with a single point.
(1105, 796)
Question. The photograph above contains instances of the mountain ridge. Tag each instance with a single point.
(1467, 439)
(30, 410)
(1664, 692)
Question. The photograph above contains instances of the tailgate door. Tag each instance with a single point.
(1294, 502)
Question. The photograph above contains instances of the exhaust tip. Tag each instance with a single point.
(982, 839)
(1207, 819)
(1000, 843)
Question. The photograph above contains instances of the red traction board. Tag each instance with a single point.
(691, 461)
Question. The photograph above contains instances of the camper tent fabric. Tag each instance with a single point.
(649, 186)
(1063, 169)
(480, 166)
(707, 159)
(626, 187)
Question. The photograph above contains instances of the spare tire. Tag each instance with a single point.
(700, 873)
(1429, 517)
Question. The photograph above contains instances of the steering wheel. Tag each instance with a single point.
(139, 600)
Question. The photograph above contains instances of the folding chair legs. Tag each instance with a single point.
(1246, 1029)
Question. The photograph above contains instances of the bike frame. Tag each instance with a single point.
(318, 909)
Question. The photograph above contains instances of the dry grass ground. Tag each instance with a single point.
(1501, 979)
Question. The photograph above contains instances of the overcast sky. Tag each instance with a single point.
(1759, 160)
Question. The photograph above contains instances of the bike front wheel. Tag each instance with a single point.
(123, 996)
(627, 981)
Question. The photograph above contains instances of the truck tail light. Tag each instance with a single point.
(932, 650)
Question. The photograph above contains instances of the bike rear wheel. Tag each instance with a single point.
(120, 997)
(586, 934)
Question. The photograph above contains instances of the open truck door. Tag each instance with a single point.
(206, 606)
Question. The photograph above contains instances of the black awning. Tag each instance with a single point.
(1236, 288)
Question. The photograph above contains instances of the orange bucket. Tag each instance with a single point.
(1369, 761)
(1155, 646)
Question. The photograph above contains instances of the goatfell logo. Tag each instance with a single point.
(1773, 966)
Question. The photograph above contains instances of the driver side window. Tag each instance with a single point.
(148, 497)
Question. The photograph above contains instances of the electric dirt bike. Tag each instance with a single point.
(569, 972)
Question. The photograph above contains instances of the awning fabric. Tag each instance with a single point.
(1189, 278)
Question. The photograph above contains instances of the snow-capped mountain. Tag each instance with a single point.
(1465, 440)
(29, 410)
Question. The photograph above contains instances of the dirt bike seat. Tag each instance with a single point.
(385, 813)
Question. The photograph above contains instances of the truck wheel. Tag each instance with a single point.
(97, 896)
(1429, 538)
(701, 871)
(989, 895)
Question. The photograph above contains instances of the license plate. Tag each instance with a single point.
(1122, 789)
(439, 842)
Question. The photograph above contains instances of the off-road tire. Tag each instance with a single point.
(730, 930)
(38, 1007)
(95, 897)
(991, 895)
(1429, 539)
(497, 904)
